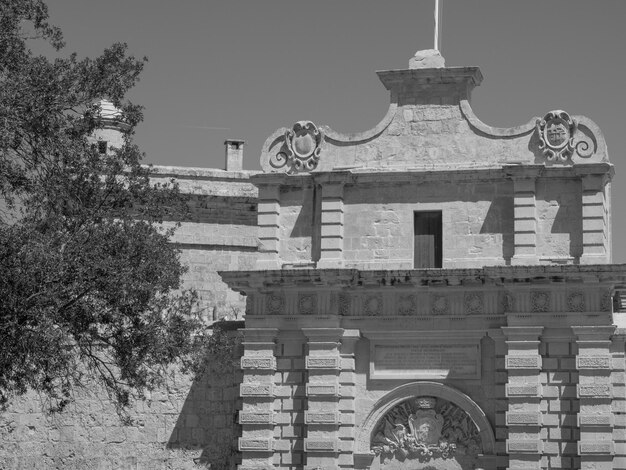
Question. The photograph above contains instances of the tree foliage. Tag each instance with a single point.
(89, 284)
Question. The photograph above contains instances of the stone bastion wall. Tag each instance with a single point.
(192, 421)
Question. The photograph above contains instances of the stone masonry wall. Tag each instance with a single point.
(191, 422)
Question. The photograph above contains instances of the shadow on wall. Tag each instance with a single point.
(208, 418)
(499, 220)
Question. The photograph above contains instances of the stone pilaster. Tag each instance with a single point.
(268, 221)
(322, 418)
(257, 393)
(525, 216)
(524, 392)
(595, 396)
(595, 220)
(347, 390)
(331, 240)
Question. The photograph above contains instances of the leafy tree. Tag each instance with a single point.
(89, 284)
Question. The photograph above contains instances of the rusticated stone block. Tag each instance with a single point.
(594, 391)
(250, 417)
(314, 390)
(593, 362)
(322, 362)
(321, 417)
(523, 362)
(256, 390)
(530, 419)
(320, 445)
(526, 390)
(596, 447)
(261, 363)
(530, 446)
(603, 419)
(258, 445)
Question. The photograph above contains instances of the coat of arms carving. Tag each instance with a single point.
(556, 135)
(425, 428)
(301, 149)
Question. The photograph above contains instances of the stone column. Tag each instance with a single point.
(331, 240)
(595, 220)
(525, 217)
(268, 220)
(595, 418)
(256, 417)
(322, 418)
(523, 390)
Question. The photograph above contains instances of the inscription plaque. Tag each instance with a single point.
(425, 361)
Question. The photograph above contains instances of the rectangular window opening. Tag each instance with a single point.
(427, 247)
(102, 146)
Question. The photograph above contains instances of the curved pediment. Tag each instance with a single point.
(430, 125)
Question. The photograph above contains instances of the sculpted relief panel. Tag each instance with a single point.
(426, 432)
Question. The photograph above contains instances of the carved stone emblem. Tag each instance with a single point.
(373, 305)
(439, 305)
(344, 303)
(302, 148)
(307, 304)
(556, 135)
(274, 304)
(473, 303)
(576, 302)
(407, 305)
(426, 428)
(540, 301)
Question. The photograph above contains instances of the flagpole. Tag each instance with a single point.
(436, 38)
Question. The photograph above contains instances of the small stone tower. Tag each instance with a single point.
(111, 135)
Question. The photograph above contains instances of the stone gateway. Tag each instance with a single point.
(434, 293)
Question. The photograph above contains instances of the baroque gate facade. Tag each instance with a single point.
(435, 292)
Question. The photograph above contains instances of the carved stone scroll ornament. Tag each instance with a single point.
(301, 150)
(556, 133)
(426, 428)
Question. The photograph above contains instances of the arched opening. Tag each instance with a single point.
(449, 419)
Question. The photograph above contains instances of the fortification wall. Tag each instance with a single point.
(192, 421)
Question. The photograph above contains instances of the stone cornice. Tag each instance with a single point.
(337, 279)
(433, 76)
(418, 175)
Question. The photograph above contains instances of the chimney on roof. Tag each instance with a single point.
(234, 154)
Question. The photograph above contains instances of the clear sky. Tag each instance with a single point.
(243, 68)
